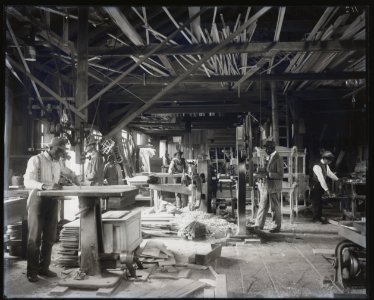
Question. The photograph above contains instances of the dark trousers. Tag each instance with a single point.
(42, 222)
(316, 197)
(181, 200)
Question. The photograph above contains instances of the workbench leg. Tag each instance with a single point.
(90, 235)
(242, 222)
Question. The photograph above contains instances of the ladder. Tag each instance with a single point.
(283, 123)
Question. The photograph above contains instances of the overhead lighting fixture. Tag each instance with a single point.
(30, 53)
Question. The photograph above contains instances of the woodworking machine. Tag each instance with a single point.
(350, 255)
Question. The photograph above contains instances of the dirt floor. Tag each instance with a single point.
(281, 265)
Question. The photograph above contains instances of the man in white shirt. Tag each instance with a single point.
(178, 165)
(43, 173)
(321, 170)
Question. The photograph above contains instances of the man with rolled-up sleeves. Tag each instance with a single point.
(43, 173)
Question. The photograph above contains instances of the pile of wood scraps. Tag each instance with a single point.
(194, 231)
(158, 225)
(155, 253)
(69, 238)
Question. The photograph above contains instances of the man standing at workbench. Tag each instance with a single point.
(95, 167)
(178, 165)
(43, 173)
(270, 189)
(321, 170)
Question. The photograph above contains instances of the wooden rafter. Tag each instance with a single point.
(135, 113)
(47, 89)
(125, 73)
(24, 62)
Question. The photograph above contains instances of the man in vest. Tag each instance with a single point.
(178, 165)
(43, 173)
(113, 172)
(272, 186)
(321, 170)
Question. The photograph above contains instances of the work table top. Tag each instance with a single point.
(91, 191)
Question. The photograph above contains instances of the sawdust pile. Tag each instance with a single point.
(216, 227)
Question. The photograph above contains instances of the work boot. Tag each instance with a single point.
(32, 277)
(47, 273)
(274, 230)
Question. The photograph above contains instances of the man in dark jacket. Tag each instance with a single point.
(270, 189)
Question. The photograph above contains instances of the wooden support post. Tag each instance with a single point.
(90, 244)
(81, 95)
(8, 127)
(274, 112)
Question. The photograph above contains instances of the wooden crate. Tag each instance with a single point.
(122, 234)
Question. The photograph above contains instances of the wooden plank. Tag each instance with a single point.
(174, 188)
(209, 293)
(220, 290)
(106, 291)
(214, 273)
(114, 214)
(151, 251)
(59, 290)
(204, 259)
(187, 290)
(324, 251)
(108, 237)
(91, 282)
(163, 276)
(196, 267)
(184, 273)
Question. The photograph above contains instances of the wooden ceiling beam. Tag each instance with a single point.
(231, 108)
(251, 48)
(233, 78)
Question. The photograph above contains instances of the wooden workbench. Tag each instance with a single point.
(91, 239)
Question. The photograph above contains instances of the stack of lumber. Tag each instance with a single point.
(158, 224)
(69, 238)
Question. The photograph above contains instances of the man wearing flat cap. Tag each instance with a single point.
(43, 173)
(178, 165)
(321, 170)
(95, 168)
(270, 189)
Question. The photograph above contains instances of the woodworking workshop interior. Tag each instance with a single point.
(179, 151)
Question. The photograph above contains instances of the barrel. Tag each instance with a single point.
(17, 239)
(17, 180)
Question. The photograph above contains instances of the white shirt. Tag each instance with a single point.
(318, 171)
(50, 171)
